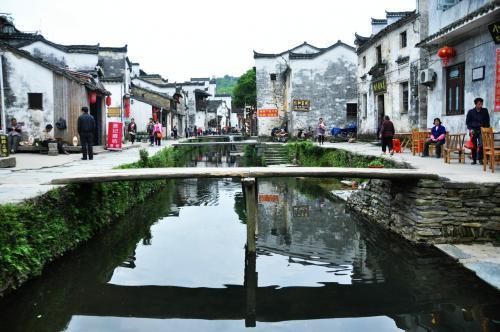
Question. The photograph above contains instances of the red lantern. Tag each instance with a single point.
(108, 101)
(446, 53)
(127, 107)
(92, 97)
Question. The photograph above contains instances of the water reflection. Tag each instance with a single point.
(178, 263)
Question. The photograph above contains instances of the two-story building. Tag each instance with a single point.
(387, 76)
(298, 86)
(470, 29)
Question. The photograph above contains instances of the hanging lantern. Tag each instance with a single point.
(155, 113)
(108, 101)
(127, 107)
(446, 53)
(92, 97)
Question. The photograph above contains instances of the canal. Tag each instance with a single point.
(178, 263)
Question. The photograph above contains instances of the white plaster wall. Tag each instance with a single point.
(25, 76)
(473, 56)
(141, 112)
(270, 94)
(305, 49)
(441, 18)
(75, 61)
(200, 120)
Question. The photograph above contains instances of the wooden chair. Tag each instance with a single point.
(418, 139)
(454, 148)
(491, 154)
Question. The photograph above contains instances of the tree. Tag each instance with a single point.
(245, 92)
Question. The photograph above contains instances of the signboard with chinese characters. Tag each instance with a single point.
(379, 86)
(4, 146)
(301, 211)
(495, 31)
(114, 136)
(301, 105)
(114, 112)
(267, 113)
(497, 81)
(268, 198)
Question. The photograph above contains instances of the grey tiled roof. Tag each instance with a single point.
(213, 105)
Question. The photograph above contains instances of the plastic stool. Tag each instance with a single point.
(396, 145)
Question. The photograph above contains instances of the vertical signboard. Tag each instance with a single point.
(4, 146)
(497, 83)
(114, 136)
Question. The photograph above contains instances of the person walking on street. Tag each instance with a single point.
(86, 129)
(476, 118)
(387, 133)
(149, 129)
(14, 132)
(321, 131)
(132, 130)
(157, 133)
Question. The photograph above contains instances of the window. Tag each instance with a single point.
(35, 101)
(445, 4)
(379, 54)
(455, 89)
(404, 97)
(352, 112)
(273, 77)
(364, 62)
(364, 105)
(402, 37)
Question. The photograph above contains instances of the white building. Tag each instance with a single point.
(388, 67)
(298, 86)
(473, 71)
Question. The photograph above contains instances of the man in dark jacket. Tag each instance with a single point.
(387, 133)
(86, 129)
(476, 118)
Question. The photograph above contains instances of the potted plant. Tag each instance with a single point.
(376, 163)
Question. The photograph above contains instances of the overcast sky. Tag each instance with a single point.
(199, 38)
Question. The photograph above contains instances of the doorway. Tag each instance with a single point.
(96, 111)
(380, 112)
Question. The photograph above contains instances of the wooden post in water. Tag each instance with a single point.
(251, 276)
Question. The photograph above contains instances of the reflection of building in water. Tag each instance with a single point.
(311, 226)
(213, 157)
(197, 192)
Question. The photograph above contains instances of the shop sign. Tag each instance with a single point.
(268, 198)
(497, 81)
(267, 113)
(379, 86)
(495, 31)
(115, 136)
(301, 105)
(114, 112)
(4, 146)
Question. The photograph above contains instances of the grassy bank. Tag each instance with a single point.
(39, 230)
(307, 154)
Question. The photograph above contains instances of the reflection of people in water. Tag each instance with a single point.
(320, 202)
(129, 262)
(146, 240)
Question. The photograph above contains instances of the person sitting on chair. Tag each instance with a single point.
(438, 135)
(48, 137)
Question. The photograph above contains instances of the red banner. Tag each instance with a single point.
(267, 113)
(497, 85)
(114, 136)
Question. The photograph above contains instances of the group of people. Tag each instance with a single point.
(476, 118)
(154, 130)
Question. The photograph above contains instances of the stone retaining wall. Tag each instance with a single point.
(427, 211)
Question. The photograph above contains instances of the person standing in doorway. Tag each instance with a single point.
(86, 129)
(476, 118)
(387, 133)
(132, 130)
(321, 131)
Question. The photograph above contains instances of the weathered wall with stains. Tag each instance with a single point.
(59, 58)
(329, 82)
(22, 76)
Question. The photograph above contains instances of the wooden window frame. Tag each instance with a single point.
(405, 106)
(451, 90)
(403, 39)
